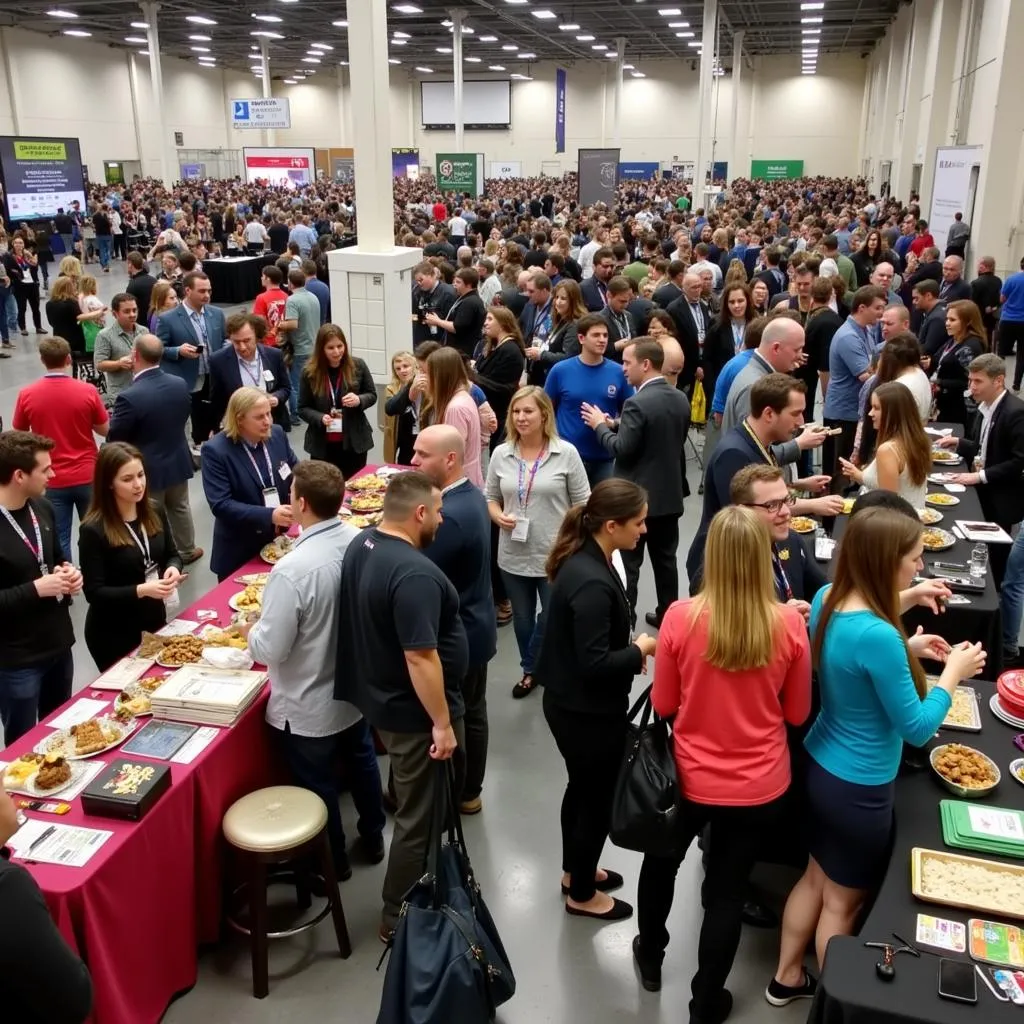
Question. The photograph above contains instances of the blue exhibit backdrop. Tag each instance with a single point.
(638, 171)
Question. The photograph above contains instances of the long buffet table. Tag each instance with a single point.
(141, 906)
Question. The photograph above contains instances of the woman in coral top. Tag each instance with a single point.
(733, 666)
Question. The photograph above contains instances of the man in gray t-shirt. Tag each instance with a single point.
(112, 354)
(299, 328)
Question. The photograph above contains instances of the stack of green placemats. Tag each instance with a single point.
(981, 828)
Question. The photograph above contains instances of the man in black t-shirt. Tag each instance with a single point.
(402, 656)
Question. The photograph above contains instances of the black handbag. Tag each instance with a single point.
(447, 961)
(645, 805)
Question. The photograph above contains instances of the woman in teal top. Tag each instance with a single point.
(872, 699)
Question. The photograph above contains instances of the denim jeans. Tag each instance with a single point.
(64, 501)
(295, 374)
(103, 244)
(1011, 597)
(524, 593)
(313, 761)
(8, 313)
(598, 471)
(29, 694)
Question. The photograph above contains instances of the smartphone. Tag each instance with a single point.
(957, 567)
(957, 981)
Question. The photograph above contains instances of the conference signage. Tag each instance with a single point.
(598, 176)
(256, 114)
(776, 170)
(40, 176)
(951, 188)
(290, 168)
(507, 169)
(459, 172)
(560, 110)
(405, 163)
(638, 171)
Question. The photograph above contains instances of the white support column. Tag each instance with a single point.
(133, 89)
(150, 10)
(737, 154)
(371, 281)
(707, 63)
(269, 135)
(456, 17)
(5, 57)
(342, 106)
(620, 59)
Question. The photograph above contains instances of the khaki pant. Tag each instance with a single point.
(174, 502)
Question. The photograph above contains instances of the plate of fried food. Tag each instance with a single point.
(229, 637)
(249, 600)
(935, 539)
(180, 650)
(947, 458)
(360, 522)
(87, 739)
(369, 482)
(802, 524)
(253, 579)
(41, 774)
(273, 553)
(366, 502)
(941, 499)
(929, 516)
(964, 771)
(133, 701)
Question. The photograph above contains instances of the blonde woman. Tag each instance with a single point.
(162, 299)
(398, 425)
(733, 667)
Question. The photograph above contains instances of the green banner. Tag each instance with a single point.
(24, 150)
(457, 172)
(776, 170)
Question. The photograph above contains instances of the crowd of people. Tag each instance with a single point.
(558, 359)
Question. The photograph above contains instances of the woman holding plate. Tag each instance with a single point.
(130, 566)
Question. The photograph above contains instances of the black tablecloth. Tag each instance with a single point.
(849, 992)
(237, 279)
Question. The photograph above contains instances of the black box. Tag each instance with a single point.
(126, 789)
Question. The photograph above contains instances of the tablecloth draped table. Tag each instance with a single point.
(137, 912)
(237, 278)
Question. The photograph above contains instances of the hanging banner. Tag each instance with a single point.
(405, 163)
(951, 188)
(598, 176)
(460, 172)
(507, 169)
(639, 171)
(272, 112)
(560, 110)
(776, 170)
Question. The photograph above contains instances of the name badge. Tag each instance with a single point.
(337, 424)
(268, 376)
(172, 601)
(521, 530)
(284, 471)
(26, 276)
(152, 572)
(271, 499)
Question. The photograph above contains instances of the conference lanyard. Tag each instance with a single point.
(37, 549)
(781, 579)
(737, 336)
(333, 386)
(622, 324)
(766, 452)
(199, 322)
(143, 546)
(526, 488)
(257, 377)
(542, 322)
(270, 468)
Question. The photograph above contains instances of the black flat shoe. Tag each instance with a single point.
(523, 688)
(653, 620)
(714, 1014)
(619, 911)
(610, 884)
(649, 969)
(759, 916)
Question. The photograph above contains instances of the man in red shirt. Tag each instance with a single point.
(270, 302)
(922, 240)
(439, 210)
(68, 411)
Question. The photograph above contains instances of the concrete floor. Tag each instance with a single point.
(569, 971)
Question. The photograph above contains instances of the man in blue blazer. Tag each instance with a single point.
(595, 289)
(247, 471)
(191, 333)
(246, 362)
(151, 414)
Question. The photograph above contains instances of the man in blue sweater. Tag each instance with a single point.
(588, 378)
(461, 550)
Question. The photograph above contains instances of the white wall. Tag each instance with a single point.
(783, 114)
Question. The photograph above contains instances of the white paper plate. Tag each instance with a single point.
(1002, 714)
(44, 745)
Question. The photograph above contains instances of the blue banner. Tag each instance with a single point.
(637, 171)
(560, 110)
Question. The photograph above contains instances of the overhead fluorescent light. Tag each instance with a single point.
(692, 43)
(320, 46)
(527, 56)
(808, 71)
(610, 53)
(398, 42)
(446, 23)
(340, 23)
(569, 27)
(426, 71)
(586, 39)
(638, 74)
(343, 63)
(290, 81)
(488, 39)
(59, 12)
(472, 60)
(407, 9)
(812, 7)
(200, 39)
(811, 21)
(669, 12)
(810, 31)
(79, 33)
(444, 49)
(628, 67)
(199, 19)
(510, 47)
(517, 2)
(266, 34)
(684, 35)
(269, 17)
(466, 30)
(599, 46)
(544, 15)
(139, 24)
(495, 67)
(200, 49)
(135, 39)
(310, 60)
(522, 78)
(391, 60)
(678, 24)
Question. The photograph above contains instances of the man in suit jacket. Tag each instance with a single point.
(621, 326)
(246, 362)
(151, 414)
(953, 286)
(995, 445)
(191, 333)
(928, 268)
(668, 292)
(931, 330)
(646, 446)
(772, 276)
(247, 470)
(536, 317)
(693, 320)
(595, 288)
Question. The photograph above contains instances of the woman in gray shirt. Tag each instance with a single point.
(533, 480)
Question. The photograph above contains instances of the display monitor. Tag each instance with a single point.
(40, 176)
(291, 168)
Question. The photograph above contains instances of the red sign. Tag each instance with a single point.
(284, 162)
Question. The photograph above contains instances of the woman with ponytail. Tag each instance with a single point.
(587, 664)
(873, 698)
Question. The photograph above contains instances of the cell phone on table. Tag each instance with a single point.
(956, 567)
(957, 981)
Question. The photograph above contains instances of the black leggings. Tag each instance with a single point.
(27, 295)
(592, 747)
(347, 461)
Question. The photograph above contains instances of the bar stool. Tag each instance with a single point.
(269, 829)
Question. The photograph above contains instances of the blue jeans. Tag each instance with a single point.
(295, 374)
(103, 244)
(524, 592)
(8, 313)
(598, 471)
(29, 694)
(1011, 596)
(313, 761)
(64, 501)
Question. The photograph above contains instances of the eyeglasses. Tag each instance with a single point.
(772, 507)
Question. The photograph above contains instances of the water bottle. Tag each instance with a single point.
(979, 561)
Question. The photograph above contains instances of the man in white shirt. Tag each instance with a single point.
(490, 283)
(586, 257)
(703, 263)
(256, 236)
(296, 637)
(457, 229)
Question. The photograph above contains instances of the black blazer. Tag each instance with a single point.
(357, 434)
(226, 379)
(955, 292)
(686, 333)
(1002, 494)
(438, 301)
(117, 616)
(151, 414)
(498, 375)
(587, 661)
(666, 294)
(931, 332)
(719, 348)
(14, 272)
(467, 315)
(593, 296)
(646, 446)
(640, 309)
(62, 316)
(616, 331)
(140, 287)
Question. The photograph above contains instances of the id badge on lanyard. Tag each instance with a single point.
(336, 427)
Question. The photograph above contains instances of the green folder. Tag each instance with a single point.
(982, 828)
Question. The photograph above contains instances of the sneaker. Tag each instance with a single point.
(648, 968)
(474, 806)
(782, 995)
(5, 355)
(39, 330)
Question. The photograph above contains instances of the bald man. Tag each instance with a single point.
(693, 321)
(462, 551)
(673, 365)
(895, 318)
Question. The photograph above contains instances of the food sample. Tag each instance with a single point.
(225, 638)
(929, 516)
(181, 650)
(965, 767)
(802, 524)
(151, 645)
(941, 499)
(90, 737)
(367, 503)
(936, 540)
(53, 772)
(362, 521)
(369, 482)
(275, 551)
(134, 701)
(964, 709)
(151, 683)
(974, 883)
(250, 599)
(255, 579)
(17, 773)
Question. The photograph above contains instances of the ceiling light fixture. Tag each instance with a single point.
(669, 12)
(407, 9)
(136, 39)
(522, 78)
(811, 21)
(495, 67)
(488, 39)
(144, 53)
(599, 46)
(544, 15)
(343, 63)
(426, 71)
(402, 35)
(199, 19)
(610, 53)
(585, 39)
(59, 12)
(693, 43)
(391, 60)
(341, 23)
(678, 24)
(510, 47)
(200, 39)
(472, 60)
(684, 35)
(290, 81)
(527, 56)
(812, 7)
(398, 42)
(139, 24)
(638, 74)
(446, 23)
(517, 2)
(310, 60)
(273, 18)
(628, 67)
(77, 32)
(444, 49)
(570, 27)
(810, 31)
(267, 34)
(200, 49)
(320, 46)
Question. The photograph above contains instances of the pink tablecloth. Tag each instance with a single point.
(138, 910)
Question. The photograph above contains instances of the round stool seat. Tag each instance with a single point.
(275, 819)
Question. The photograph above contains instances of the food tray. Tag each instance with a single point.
(957, 788)
(30, 787)
(134, 692)
(802, 524)
(1004, 883)
(54, 743)
(234, 603)
(273, 553)
(936, 539)
(965, 699)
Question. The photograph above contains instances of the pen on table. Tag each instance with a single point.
(46, 833)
